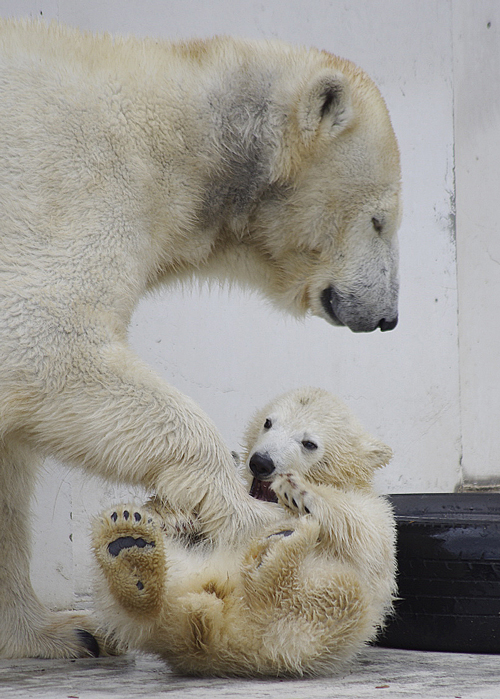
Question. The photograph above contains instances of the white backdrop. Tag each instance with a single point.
(429, 388)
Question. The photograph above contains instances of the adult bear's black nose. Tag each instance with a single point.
(388, 324)
(261, 465)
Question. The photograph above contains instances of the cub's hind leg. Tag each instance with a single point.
(129, 547)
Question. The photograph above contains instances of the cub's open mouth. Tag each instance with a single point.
(261, 490)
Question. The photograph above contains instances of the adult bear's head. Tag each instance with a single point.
(301, 182)
(325, 230)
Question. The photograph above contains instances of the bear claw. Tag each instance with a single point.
(89, 642)
(285, 532)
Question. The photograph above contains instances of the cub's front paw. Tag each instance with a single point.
(292, 494)
(128, 545)
(280, 551)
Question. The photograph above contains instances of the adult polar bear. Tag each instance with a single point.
(125, 164)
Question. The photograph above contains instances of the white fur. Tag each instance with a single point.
(126, 164)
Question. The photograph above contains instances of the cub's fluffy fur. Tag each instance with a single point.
(301, 597)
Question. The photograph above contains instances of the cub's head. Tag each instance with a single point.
(326, 229)
(309, 432)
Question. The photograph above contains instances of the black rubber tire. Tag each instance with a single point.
(448, 573)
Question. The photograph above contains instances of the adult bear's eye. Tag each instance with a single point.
(311, 446)
(268, 424)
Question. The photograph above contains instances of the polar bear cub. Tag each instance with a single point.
(298, 599)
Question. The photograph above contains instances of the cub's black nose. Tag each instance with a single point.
(261, 465)
(388, 324)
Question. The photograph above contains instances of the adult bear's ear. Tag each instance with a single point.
(325, 100)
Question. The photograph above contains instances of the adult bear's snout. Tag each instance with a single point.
(347, 310)
(261, 465)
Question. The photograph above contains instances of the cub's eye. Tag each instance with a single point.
(377, 224)
(268, 424)
(310, 446)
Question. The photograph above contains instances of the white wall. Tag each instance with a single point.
(476, 38)
(418, 388)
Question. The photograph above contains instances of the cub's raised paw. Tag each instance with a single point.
(292, 494)
(128, 546)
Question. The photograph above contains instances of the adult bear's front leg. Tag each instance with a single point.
(117, 419)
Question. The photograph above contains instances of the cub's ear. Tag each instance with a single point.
(378, 454)
(325, 100)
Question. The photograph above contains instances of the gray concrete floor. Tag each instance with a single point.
(379, 673)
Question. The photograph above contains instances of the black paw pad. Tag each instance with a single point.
(127, 542)
(88, 642)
